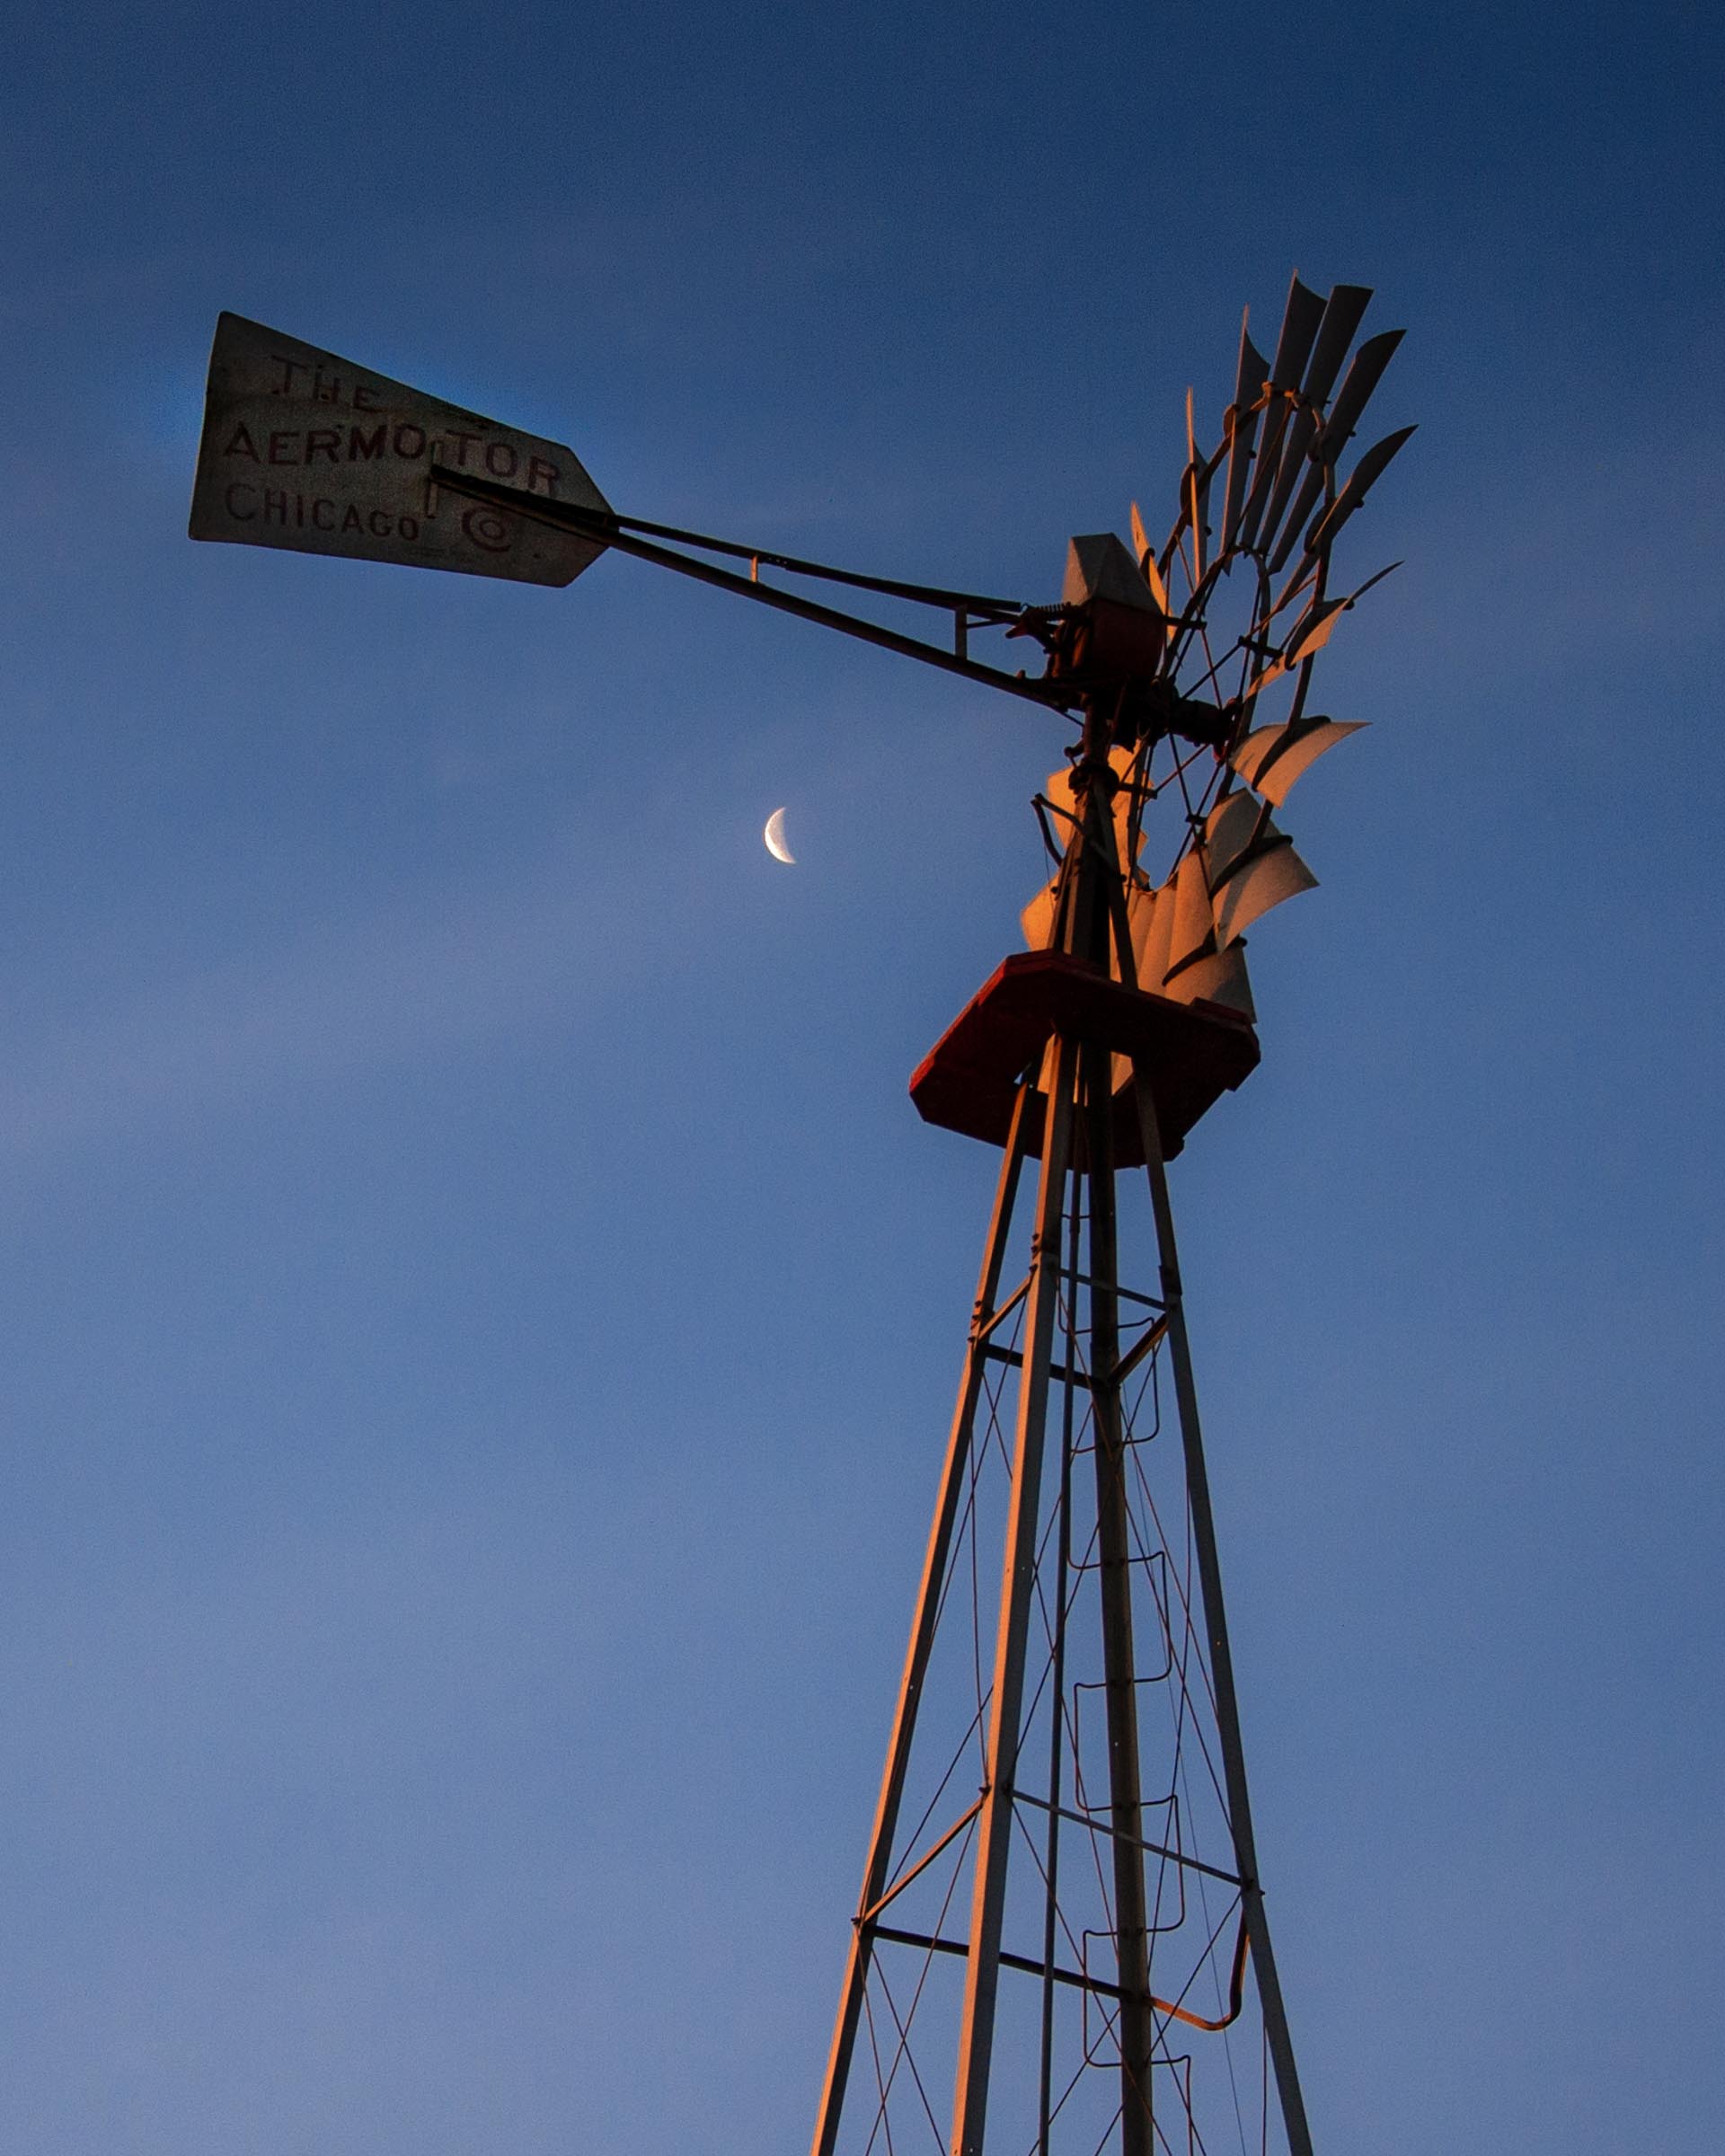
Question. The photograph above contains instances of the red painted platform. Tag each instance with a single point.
(1194, 1052)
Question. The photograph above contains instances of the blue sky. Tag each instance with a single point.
(481, 1312)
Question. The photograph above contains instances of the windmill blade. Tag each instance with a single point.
(1124, 765)
(1308, 569)
(1274, 757)
(1193, 926)
(1315, 627)
(1262, 879)
(1309, 635)
(1146, 554)
(1037, 920)
(1304, 310)
(1234, 826)
(1296, 448)
(1196, 489)
(1363, 377)
(1150, 916)
(1243, 429)
(1220, 979)
(1360, 481)
(1342, 313)
(1300, 321)
(1305, 501)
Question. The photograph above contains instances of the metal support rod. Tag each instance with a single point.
(1017, 1580)
(922, 1637)
(1120, 1668)
(998, 613)
(1215, 1626)
(1092, 1824)
(605, 530)
(1058, 1705)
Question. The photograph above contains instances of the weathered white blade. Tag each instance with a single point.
(305, 451)
(1057, 792)
(1150, 914)
(1305, 502)
(1274, 757)
(1363, 377)
(1220, 979)
(1194, 924)
(1147, 562)
(1196, 502)
(1308, 573)
(1360, 481)
(1314, 630)
(1243, 429)
(1234, 826)
(1300, 321)
(1261, 880)
(1124, 762)
(1256, 751)
(1342, 315)
(1037, 920)
(1295, 445)
(1309, 743)
(1309, 635)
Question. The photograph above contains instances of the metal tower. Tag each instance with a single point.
(1060, 1945)
(1060, 1916)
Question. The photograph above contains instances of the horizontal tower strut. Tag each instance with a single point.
(1076, 1980)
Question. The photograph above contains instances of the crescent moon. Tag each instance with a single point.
(775, 837)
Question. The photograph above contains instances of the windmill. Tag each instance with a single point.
(1060, 1942)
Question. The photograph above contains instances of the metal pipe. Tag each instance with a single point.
(606, 530)
(1154, 1848)
(1017, 1580)
(1215, 1625)
(1058, 1699)
(922, 1638)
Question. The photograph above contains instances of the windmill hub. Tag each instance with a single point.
(1108, 643)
